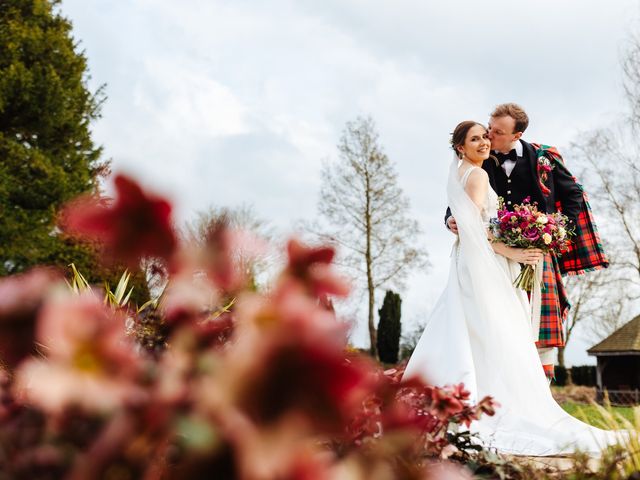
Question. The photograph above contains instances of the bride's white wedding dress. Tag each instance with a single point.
(480, 333)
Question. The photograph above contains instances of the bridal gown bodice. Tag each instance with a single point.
(479, 333)
(510, 268)
(490, 207)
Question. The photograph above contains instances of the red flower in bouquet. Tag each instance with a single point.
(528, 227)
(135, 225)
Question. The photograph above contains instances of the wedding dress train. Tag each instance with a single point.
(479, 333)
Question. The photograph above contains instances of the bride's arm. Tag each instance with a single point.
(477, 187)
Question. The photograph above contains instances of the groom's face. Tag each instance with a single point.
(502, 133)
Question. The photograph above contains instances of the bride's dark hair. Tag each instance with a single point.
(459, 134)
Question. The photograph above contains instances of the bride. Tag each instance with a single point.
(480, 330)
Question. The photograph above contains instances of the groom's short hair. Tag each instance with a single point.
(514, 111)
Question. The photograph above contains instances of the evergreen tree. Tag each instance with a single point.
(47, 156)
(389, 328)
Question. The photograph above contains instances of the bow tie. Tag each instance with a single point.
(502, 157)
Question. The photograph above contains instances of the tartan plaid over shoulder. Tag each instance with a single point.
(585, 252)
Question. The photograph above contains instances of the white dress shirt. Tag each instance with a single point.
(509, 164)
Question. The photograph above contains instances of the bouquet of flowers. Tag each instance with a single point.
(527, 227)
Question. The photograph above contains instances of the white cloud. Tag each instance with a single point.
(184, 102)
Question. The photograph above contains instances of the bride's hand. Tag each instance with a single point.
(528, 256)
(452, 225)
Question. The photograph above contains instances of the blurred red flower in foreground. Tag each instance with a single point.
(89, 360)
(21, 297)
(312, 267)
(135, 225)
(261, 387)
(316, 380)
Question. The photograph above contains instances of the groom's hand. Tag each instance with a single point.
(452, 225)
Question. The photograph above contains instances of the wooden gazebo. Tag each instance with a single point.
(618, 370)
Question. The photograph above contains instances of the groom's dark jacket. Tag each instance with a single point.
(524, 181)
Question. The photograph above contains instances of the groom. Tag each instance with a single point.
(519, 172)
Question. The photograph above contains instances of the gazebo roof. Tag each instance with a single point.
(625, 339)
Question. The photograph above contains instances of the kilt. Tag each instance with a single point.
(585, 254)
(554, 305)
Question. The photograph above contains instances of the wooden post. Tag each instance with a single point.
(599, 369)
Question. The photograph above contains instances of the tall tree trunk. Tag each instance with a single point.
(372, 327)
(561, 356)
(370, 285)
(569, 380)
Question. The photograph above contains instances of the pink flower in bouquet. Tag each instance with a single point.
(531, 234)
(535, 229)
(135, 225)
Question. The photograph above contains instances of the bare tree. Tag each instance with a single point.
(608, 157)
(631, 80)
(366, 215)
(614, 184)
(591, 306)
(242, 218)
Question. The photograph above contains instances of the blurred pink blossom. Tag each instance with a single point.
(21, 297)
(88, 361)
(135, 225)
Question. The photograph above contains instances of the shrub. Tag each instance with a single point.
(584, 375)
(389, 327)
(561, 375)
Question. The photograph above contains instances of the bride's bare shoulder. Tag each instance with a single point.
(478, 177)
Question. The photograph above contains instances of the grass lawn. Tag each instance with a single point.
(591, 415)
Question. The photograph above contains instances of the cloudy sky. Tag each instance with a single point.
(220, 102)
